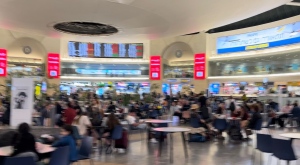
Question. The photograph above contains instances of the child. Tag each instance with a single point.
(67, 140)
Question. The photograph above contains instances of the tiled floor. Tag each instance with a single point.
(209, 153)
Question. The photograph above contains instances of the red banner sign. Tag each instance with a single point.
(3, 62)
(53, 65)
(199, 66)
(155, 68)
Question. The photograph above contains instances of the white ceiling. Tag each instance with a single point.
(137, 20)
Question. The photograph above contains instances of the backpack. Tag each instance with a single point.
(232, 106)
(123, 142)
(196, 137)
(234, 133)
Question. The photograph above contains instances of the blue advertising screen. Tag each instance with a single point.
(108, 72)
(268, 38)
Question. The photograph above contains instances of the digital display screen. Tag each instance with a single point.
(268, 38)
(108, 72)
(105, 50)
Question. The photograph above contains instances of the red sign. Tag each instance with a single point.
(199, 66)
(3, 62)
(155, 68)
(53, 65)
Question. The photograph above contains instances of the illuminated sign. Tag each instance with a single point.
(3, 62)
(53, 65)
(268, 38)
(199, 66)
(155, 68)
(108, 72)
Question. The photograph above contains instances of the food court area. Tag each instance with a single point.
(128, 82)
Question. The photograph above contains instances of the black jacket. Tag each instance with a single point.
(26, 143)
(255, 117)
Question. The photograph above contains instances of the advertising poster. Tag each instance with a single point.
(22, 97)
(53, 65)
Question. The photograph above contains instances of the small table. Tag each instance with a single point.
(291, 135)
(172, 130)
(155, 121)
(41, 148)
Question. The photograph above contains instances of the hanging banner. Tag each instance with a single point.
(21, 101)
(53, 65)
(199, 66)
(3, 62)
(155, 67)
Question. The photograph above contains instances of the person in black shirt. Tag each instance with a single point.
(255, 116)
(25, 142)
(111, 107)
(186, 106)
(202, 100)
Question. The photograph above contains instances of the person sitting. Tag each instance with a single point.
(131, 118)
(296, 112)
(25, 142)
(221, 111)
(173, 109)
(67, 139)
(286, 111)
(256, 116)
(111, 107)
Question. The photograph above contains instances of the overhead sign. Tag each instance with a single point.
(155, 64)
(268, 38)
(3, 62)
(53, 65)
(199, 66)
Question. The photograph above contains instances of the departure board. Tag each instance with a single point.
(105, 50)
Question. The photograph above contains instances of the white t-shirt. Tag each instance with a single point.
(131, 119)
(83, 124)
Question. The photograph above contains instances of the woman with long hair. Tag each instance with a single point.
(82, 122)
(111, 122)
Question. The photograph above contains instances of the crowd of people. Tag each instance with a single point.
(93, 114)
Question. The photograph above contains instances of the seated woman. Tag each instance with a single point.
(67, 140)
(241, 112)
(111, 122)
(25, 142)
(256, 116)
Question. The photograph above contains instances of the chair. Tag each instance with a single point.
(264, 144)
(76, 134)
(282, 149)
(85, 149)
(116, 134)
(258, 125)
(220, 124)
(60, 156)
(194, 122)
(27, 154)
(19, 161)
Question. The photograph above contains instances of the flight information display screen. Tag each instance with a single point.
(105, 50)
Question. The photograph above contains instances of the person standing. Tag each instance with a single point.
(69, 114)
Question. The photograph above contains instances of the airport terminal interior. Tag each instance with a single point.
(149, 82)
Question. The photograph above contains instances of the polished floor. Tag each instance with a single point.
(209, 153)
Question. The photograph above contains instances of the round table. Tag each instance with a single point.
(172, 130)
(154, 121)
(290, 135)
